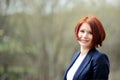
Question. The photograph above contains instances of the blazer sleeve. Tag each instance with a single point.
(101, 67)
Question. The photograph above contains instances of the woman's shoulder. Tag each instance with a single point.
(99, 56)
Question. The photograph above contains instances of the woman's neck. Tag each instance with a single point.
(84, 50)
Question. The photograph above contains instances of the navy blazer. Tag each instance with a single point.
(95, 66)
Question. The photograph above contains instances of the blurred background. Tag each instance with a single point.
(37, 39)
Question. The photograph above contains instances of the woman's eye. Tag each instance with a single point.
(90, 33)
(82, 31)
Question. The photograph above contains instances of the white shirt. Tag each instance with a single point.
(74, 67)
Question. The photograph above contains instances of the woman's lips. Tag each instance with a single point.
(84, 40)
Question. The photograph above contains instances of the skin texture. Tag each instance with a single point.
(85, 36)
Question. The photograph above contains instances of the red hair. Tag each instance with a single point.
(97, 29)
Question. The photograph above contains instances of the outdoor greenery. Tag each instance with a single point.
(37, 39)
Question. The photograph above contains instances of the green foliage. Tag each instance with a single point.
(39, 45)
(15, 72)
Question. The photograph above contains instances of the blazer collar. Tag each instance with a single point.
(84, 63)
(72, 62)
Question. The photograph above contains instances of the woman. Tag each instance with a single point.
(89, 63)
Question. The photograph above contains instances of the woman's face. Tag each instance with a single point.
(85, 35)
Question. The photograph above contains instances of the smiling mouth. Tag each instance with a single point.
(84, 40)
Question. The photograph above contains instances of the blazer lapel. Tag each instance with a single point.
(83, 64)
(72, 62)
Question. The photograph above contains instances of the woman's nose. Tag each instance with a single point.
(85, 35)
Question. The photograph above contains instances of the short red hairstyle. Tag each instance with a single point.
(97, 29)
